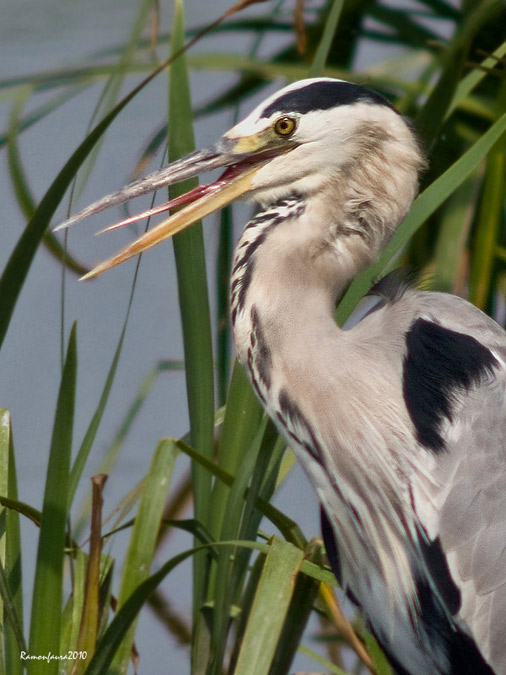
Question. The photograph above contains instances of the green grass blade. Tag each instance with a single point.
(431, 116)
(263, 479)
(423, 207)
(271, 70)
(403, 26)
(269, 609)
(490, 220)
(453, 236)
(12, 596)
(191, 272)
(285, 525)
(475, 76)
(47, 591)
(61, 77)
(325, 663)
(246, 602)
(11, 626)
(72, 613)
(144, 536)
(229, 568)
(329, 667)
(5, 443)
(329, 31)
(194, 303)
(24, 509)
(126, 615)
(243, 415)
(18, 265)
(379, 659)
(91, 432)
(301, 606)
(112, 453)
(318, 572)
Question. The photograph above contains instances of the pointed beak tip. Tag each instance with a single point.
(196, 204)
(86, 277)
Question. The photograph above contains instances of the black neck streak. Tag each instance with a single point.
(255, 234)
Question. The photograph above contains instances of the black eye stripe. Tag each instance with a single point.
(323, 95)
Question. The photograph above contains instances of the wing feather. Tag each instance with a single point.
(467, 490)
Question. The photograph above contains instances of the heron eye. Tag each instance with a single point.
(285, 126)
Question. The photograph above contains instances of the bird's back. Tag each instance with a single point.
(451, 360)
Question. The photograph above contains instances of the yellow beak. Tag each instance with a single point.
(243, 157)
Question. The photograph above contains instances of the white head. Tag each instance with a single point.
(319, 138)
(323, 131)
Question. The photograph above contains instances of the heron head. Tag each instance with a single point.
(324, 131)
(310, 135)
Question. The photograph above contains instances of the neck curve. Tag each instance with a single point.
(299, 253)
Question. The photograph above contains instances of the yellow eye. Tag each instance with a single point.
(285, 126)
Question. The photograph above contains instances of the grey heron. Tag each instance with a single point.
(400, 421)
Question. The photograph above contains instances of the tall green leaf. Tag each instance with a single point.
(10, 555)
(193, 300)
(143, 538)
(48, 585)
(425, 205)
(329, 31)
(490, 219)
(269, 608)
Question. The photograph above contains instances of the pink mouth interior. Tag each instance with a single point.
(189, 197)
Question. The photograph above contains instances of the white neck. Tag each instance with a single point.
(297, 256)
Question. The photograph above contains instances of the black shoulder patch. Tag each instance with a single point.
(322, 95)
(438, 363)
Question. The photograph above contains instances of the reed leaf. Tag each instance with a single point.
(143, 538)
(269, 608)
(45, 624)
(424, 206)
(11, 590)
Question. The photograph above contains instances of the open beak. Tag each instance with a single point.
(243, 157)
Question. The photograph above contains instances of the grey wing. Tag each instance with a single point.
(473, 522)
(459, 413)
